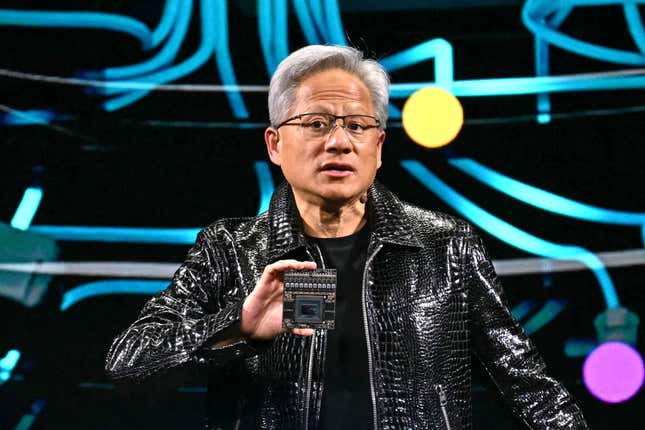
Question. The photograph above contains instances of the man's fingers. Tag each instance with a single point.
(282, 265)
(303, 331)
(267, 288)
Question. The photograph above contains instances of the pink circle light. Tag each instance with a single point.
(613, 372)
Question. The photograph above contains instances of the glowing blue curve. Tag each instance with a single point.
(554, 14)
(439, 49)
(224, 63)
(168, 236)
(394, 112)
(520, 86)
(542, 69)
(543, 199)
(559, 16)
(204, 51)
(635, 25)
(264, 30)
(544, 316)
(511, 234)
(165, 56)
(97, 20)
(306, 23)
(27, 208)
(334, 23)
(170, 10)
(7, 364)
(523, 309)
(281, 30)
(316, 11)
(533, 11)
(28, 117)
(579, 347)
(265, 184)
(104, 288)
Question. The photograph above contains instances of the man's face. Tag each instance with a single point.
(337, 168)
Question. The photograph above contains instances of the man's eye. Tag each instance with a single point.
(355, 126)
(317, 124)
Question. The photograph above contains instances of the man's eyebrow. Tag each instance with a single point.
(319, 108)
(349, 109)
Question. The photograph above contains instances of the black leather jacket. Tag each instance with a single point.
(430, 297)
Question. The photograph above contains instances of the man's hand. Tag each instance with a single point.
(262, 309)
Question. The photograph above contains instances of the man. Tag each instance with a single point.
(416, 290)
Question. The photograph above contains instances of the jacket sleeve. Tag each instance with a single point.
(508, 354)
(179, 324)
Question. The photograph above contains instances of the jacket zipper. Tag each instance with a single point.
(443, 402)
(310, 367)
(309, 377)
(367, 336)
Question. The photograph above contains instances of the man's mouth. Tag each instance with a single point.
(337, 169)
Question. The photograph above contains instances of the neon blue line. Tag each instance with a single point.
(265, 33)
(168, 16)
(28, 117)
(585, 3)
(204, 51)
(7, 364)
(542, 117)
(169, 236)
(394, 112)
(556, 20)
(635, 25)
(103, 21)
(334, 22)
(104, 288)
(224, 63)
(521, 310)
(521, 86)
(542, 69)
(26, 422)
(280, 30)
(529, 12)
(439, 49)
(579, 347)
(306, 23)
(317, 13)
(165, 56)
(510, 234)
(27, 208)
(543, 199)
(265, 184)
(9, 361)
(544, 316)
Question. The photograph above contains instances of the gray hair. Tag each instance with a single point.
(313, 59)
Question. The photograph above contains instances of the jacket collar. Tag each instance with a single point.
(386, 218)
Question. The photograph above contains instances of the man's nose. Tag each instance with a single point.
(338, 139)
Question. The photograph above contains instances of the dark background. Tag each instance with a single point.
(171, 160)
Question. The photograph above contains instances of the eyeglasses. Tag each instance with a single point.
(318, 125)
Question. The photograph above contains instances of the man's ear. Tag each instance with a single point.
(272, 140)
(379, 147)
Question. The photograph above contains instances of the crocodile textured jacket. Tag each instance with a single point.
(430, 298)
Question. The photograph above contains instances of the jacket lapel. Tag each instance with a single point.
(286, 233)
(386, 217)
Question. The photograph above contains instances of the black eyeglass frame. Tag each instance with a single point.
(336, 118)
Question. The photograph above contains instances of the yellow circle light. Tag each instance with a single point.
(432, 117)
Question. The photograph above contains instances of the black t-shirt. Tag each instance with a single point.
(346, 401)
